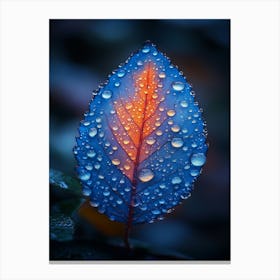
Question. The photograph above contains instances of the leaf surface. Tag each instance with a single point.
(142, 142)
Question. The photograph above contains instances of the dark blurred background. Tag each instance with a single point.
(84, 52)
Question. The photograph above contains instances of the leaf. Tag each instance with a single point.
(142, 144)
(62, 183)
(99, 221)
(66, 198)
(61, 227)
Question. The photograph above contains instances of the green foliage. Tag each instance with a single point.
(66, 197)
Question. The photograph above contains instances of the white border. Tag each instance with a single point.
(255, 138)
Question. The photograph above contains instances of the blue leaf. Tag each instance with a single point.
(142, 144)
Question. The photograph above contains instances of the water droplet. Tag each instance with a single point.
(86, 191)
(194, 145)
(159, 133)
(116, 161)
(106, 94)
(150, 141)
(94, 204)
(106, 193)
(194, 172)
(161, 201)
(178, 86)
(143, 207)
(121, 73)
(86, 123)
(119, 201)
(155, 211)
(101, 210)
(162, 75)
(126, 167)
(162, 186)
(135, 203)
(185, 196)
(175, 128)
(187, 167)
(112, 218)
(176, 180)
(198, 159)
(117, 84)
(139, 63)
(92, 132)
(85, 176)
(89, 167)
(145, 175)
(184, 104)
(146, 49)
(91, 154)
(171, 113)
(146, 192)
(97, 165)
(177, 142)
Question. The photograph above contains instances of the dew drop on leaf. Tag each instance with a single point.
(121, 73)
(175, 128)
(184, 104)
(116, 161)
(145, 175)
(171, 113)
(176, 180)
(178, 86)
(106, 94)
(92, 132)
(150, 141)
(86, 191)
(97, 166)
(146, 49)
(155, 211)
(91, 154)
(177, 142)
(106, 193)
(85, 176)
(194, 172)
(162, 75)
(198, 159)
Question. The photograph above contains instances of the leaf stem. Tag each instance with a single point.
(136, 165)
(126, 237)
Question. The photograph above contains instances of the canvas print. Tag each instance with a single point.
(139, 140)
